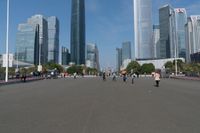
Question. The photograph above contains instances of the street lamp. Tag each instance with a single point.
(7, 33)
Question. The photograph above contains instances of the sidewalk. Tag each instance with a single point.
(12, 81)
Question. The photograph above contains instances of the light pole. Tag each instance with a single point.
(7, 33)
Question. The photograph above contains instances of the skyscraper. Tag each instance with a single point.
(192, 36)
(119, 59)
(156, 41)
(181, 20)
(78, 32)
(53, 39)
(167, 32)
(143, 28)
(43, 36)
(92, 56)
(27, 44)
(126, 50)
(65, 56)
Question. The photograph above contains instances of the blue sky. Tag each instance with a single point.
(108, 22)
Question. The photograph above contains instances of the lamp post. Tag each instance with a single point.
(7, 33)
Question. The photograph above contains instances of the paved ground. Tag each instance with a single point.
(93, 106)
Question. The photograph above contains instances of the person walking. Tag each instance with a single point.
(157, 78)
(114, 77)
(124, 77)
(75, 75)
(133, 78)
(104, 76)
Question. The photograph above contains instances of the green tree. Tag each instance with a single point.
(169, 65)
(147, 68)
(74, 68)
(134, 67)
(51, 66)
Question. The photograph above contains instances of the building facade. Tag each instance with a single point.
(143, 28)
(126, 50)
(192, 29)
(78, 32)
(53, 39)
(181, 20)
(167, 32)
(156, 41)
(43, 36)
(27, 44)
(118, 59)
(92, 56)
(65, 56)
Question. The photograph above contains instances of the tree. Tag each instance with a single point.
(75, 69)
(52, 66)
(147, 68)
(169, 65)
(134, 67)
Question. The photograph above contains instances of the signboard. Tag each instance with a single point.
(10, 60)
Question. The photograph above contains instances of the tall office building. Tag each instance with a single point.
(192, 29)
(119, 59)
(126, 50)
(53, 39)
(143, 28)
(78, 32)
(65, 56)
(92, 56)
(156, 41)
(43, 36)
(181, 20)
(167, 32)
(27, 44)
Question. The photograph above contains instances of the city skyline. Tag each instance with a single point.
(103, 25)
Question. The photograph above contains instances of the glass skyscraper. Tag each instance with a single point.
(143, 28)
(119, 59)
(78, 32)
(156, 41)
(27, 44)
(53, 39)
(167, 32)
(92, 56)
(43, 36)
(192, 29)
(181, 20)
(126, 50)
(65, 56)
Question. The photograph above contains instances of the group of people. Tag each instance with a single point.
(156, 76)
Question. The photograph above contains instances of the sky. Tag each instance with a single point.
(108, 22)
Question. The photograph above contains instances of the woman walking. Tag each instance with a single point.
(157, 78)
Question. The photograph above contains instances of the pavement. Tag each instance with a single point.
(13, 81)
(89, 105)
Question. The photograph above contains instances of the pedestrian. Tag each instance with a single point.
(75, 75)
(114, 77)
(104, 76)
(157, 78)
(133, 77)
(124, 77)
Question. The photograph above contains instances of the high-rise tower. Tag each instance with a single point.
(78, 32)
(143, 28)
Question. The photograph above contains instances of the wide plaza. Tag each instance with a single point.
(90, 105)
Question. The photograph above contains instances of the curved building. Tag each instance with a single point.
(143, 29)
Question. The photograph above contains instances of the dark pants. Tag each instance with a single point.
(157, 83)
(132, 80)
